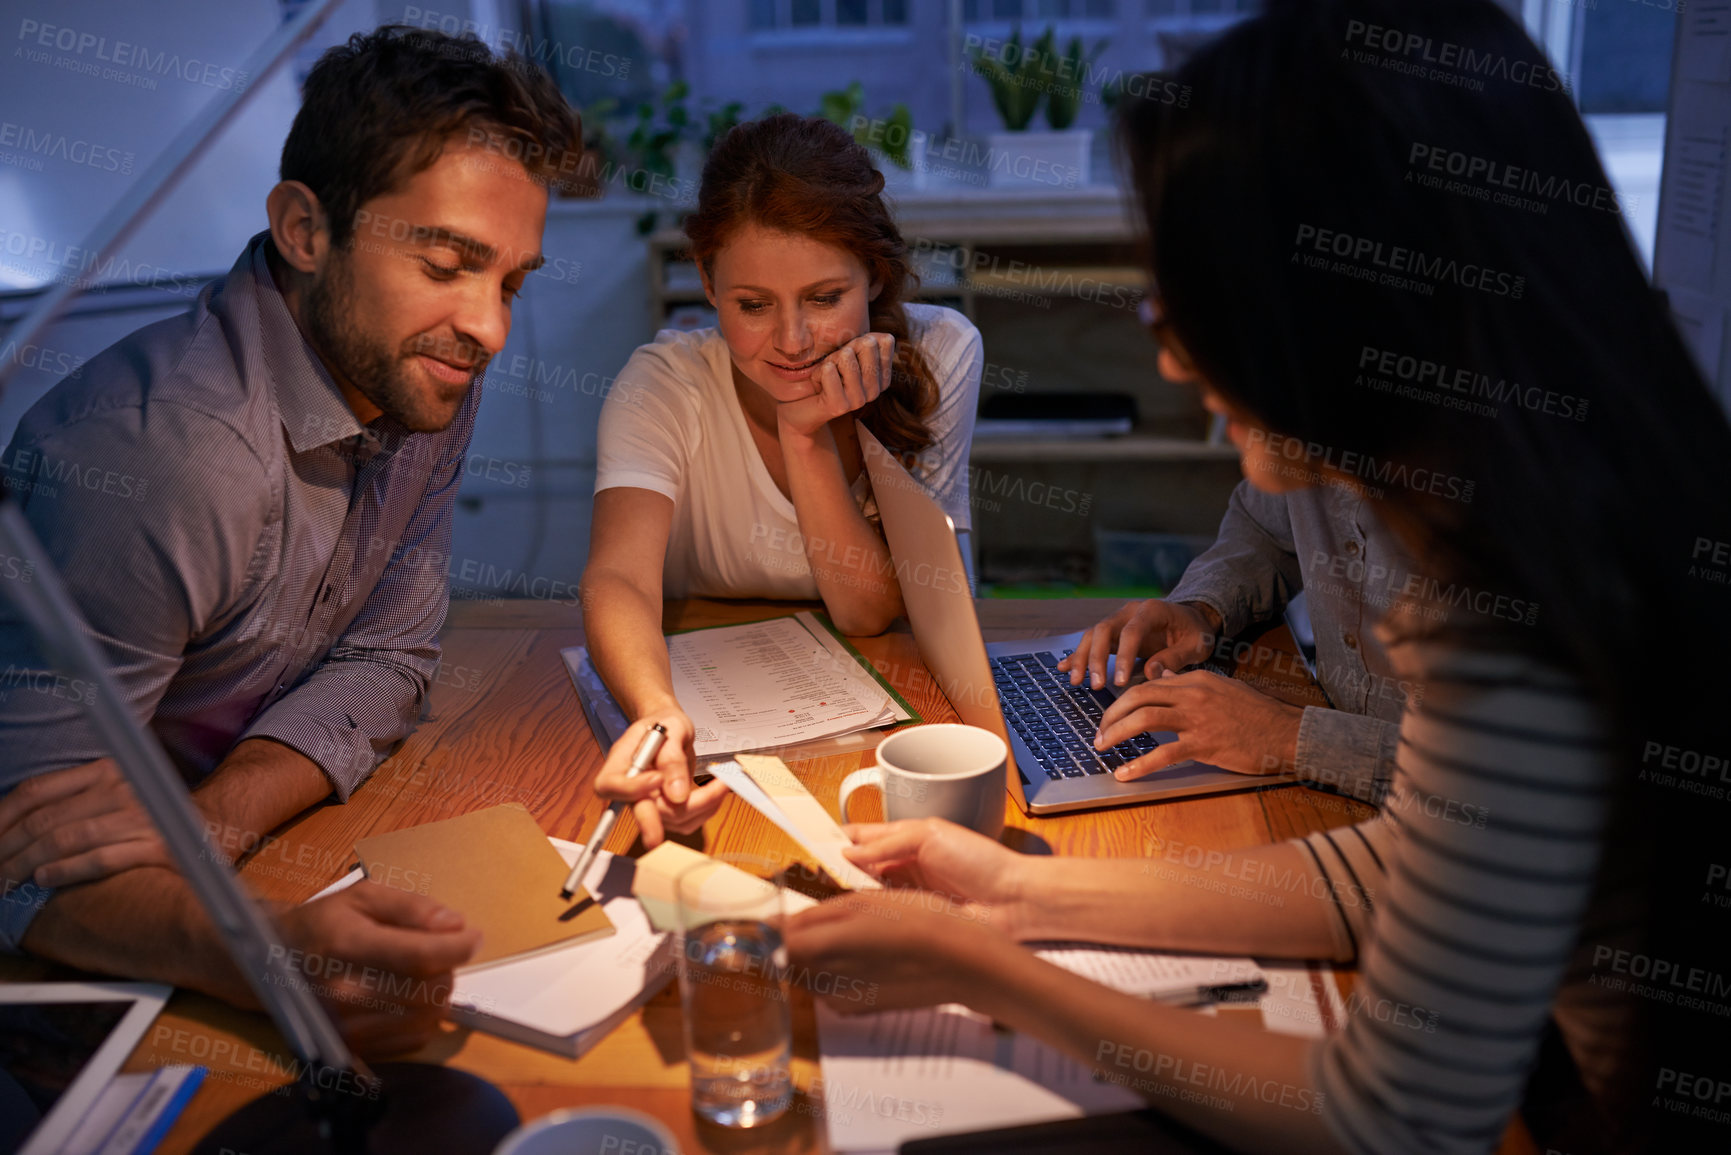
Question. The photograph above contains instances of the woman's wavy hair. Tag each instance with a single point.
(805, 175)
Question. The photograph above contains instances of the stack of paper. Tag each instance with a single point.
(568, 998)
(757, 686)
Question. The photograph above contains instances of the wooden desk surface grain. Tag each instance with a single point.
(505, 727)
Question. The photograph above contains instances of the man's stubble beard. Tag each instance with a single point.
(381, 376)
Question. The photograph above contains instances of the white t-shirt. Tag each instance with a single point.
(672, 424)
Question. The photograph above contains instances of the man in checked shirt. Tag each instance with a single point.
(251, 505)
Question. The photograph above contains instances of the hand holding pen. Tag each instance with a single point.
(641, 760)
(662, 798)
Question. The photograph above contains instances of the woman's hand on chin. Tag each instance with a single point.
(848, 379)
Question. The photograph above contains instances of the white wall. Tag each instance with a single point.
(523, 521)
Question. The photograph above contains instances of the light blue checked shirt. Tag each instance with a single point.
(255, 562)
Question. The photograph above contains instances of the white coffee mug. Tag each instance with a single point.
(941, 770)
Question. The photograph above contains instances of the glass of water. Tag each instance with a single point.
(733, 987)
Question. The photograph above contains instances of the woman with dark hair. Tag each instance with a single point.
(729, 463)
(1531, 912)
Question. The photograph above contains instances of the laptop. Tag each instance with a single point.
(1015, 689)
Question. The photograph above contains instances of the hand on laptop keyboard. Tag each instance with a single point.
(1057, 721)
(1173, 634)
(1218, 720)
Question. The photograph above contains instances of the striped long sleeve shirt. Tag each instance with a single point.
(1468, 901)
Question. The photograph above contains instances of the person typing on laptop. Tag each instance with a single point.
(729, 464)
(251, 506)
(1325, 541)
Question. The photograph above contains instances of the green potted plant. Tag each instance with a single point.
(891, 137)
(664, 153)
(1021, 79)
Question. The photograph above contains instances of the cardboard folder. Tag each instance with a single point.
(494, 867)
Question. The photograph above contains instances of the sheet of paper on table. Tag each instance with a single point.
(901, 1075)
(1151, 974)
(764, 684)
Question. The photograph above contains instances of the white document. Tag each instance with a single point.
(901, 1075)
(765, 684)
(846, 663)
(823, 653)
(566, 999)
(1686, 249)
(1704, 48)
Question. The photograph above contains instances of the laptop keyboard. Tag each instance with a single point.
(1058, 721)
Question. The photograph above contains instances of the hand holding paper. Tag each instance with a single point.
(940, 856)
(766, 783)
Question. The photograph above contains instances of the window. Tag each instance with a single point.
(1159, 8)
(975, 11)
(1625, 57)
(766, 15)
(597, 50)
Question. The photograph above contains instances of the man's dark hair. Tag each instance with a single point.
(380, 108)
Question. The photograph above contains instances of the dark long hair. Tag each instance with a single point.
(808, 176)
(1336, 180)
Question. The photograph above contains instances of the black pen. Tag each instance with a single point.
(1244, 992)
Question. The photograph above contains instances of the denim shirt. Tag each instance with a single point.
(1328, 542)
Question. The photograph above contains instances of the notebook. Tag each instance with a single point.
(569, 996)
(495, 868)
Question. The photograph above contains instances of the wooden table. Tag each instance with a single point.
(505, 727)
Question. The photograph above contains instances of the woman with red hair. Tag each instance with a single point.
(729, 462)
